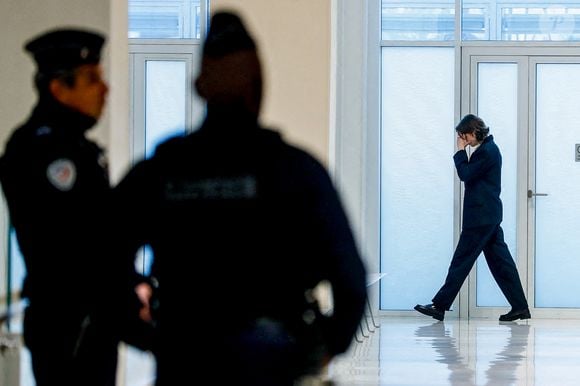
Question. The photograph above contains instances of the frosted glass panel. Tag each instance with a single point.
(164, 101)
(417, 173)
(557, 257)
(497, 105)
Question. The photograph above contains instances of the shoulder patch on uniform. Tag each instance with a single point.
(62, 174)
(43, 130)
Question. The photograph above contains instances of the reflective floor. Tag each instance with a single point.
(421, 351)
(136, 368)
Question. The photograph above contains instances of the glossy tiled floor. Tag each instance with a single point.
(136, 368)
(421, 351)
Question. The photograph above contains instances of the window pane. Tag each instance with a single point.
(557, 215)
(164, 19)
(497, 99)
(475, 23)
(428, 20)
(520, 20)
(481, 20)
(417, 176)
(165, 98)
(539, 23)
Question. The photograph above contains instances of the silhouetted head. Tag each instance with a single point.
(68, 69)
(472, 124)
(230, 78)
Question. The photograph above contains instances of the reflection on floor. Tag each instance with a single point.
(421, 351)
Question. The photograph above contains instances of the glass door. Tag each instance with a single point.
(554, 199)
(528, 100)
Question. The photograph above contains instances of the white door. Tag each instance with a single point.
(530, 98)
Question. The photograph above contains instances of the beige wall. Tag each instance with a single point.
(19, 21)
(294, 41)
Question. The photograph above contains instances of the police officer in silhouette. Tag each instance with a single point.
(242, 226)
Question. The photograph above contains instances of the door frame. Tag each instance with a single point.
(179, 51)
(544, 312)
(526, 57)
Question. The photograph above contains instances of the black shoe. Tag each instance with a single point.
(515, 315)
(431, 310)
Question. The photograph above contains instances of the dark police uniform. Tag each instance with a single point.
(56, 185)
(242, 224)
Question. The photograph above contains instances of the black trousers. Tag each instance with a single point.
(66, 352)
(489, 240)
(262, 353)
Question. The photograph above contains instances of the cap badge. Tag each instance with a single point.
(84, 52)
(62, 174)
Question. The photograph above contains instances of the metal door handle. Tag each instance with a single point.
(532, 194)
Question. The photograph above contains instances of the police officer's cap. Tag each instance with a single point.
(227, 34)
(65, 49)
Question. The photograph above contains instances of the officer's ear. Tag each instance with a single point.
(59, 89)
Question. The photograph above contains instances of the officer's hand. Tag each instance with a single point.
(144, 292)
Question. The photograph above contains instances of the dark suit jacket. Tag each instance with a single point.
(482, 177)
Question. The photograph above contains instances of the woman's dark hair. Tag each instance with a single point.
(473, 124)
